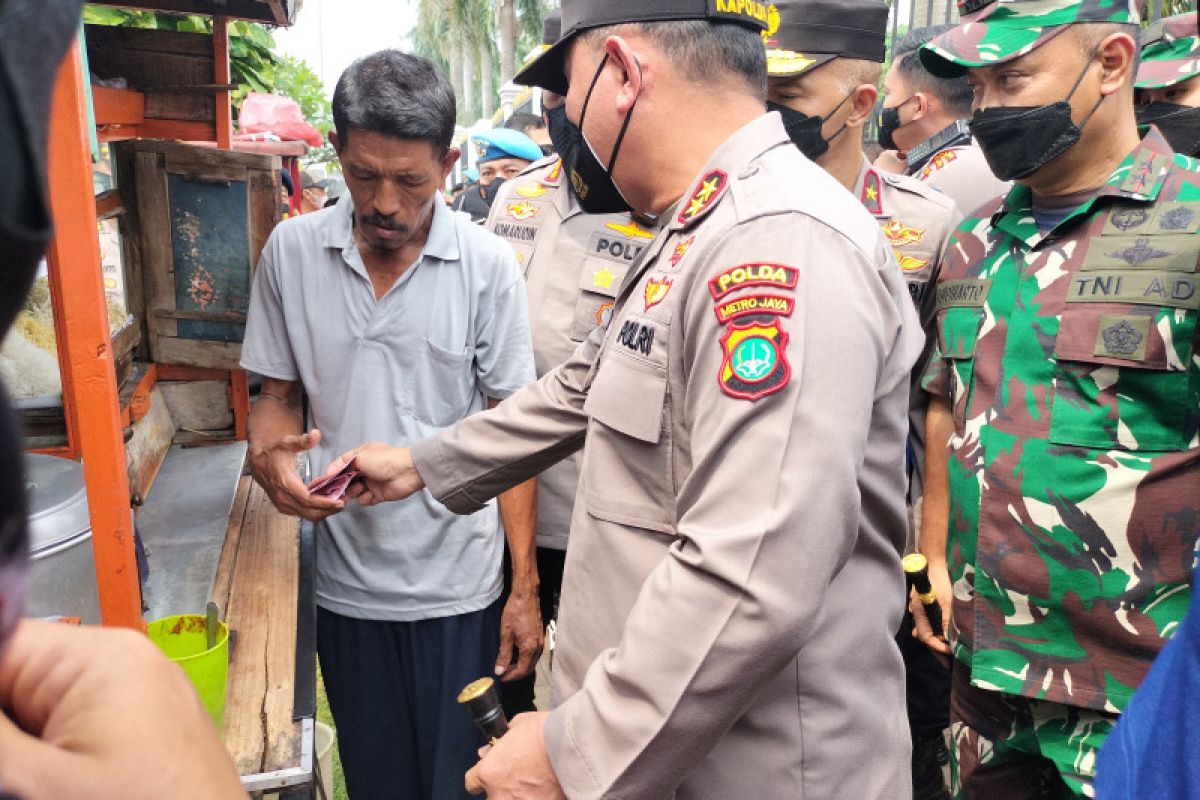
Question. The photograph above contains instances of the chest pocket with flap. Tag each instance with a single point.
(1124, 378)
(959, 317)
(627, 471)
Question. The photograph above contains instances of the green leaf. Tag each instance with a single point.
(103, 15)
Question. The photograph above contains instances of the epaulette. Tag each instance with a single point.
(954, 134)
(906, 183)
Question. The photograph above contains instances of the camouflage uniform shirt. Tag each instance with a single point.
(1070, 360)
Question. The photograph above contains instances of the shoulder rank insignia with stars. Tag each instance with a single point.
(632, 230)
(870, 192)
(522, 211)
(755, 360)
(531, 189)
(710, 188)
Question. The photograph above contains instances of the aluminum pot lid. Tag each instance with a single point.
(58, 507)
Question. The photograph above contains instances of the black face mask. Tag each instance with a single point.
(805, 131)
(491, 190)
(889, 121)
(1017, 141)
(591, 180)
(1180, 124)
(565, 137)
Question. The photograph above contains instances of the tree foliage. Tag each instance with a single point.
(464, 37)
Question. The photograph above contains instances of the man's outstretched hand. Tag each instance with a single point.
(385, 473)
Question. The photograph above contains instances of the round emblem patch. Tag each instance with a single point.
(754, 359)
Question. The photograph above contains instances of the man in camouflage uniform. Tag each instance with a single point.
(1168, 82)
(823, 66)
(573, 263)
(1066, 390)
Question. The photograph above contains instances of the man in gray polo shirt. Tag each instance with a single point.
(397, 317)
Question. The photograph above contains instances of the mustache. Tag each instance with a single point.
(387, 223)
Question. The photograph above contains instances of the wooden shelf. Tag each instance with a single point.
(118, 106)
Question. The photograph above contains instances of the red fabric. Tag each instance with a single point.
(270, 113)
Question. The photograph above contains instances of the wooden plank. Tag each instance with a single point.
(140, 68)
(109, 204)
(146, 451)
(178, 129)
(199, 159)
(156, 261)
(118, 106)
(290, 147)
(106, 38)
(222, 74)
(264, 209)
(184, 107)
(78, 288)
(204, 316)
(219, 355)
(259, 730)
(179, 372)
(223, 582)
(255, 10)
(239, 401)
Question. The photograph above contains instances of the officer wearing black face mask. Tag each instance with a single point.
(923, 127)
(1168, 82)
(574, 262)
(827, 54)
(1056, 340)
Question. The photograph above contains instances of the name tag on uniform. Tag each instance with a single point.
(516, 233)
(614, 247)
(1138, 288)
(963, 293)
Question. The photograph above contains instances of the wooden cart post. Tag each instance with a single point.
(76, 282)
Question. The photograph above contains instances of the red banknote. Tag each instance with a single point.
(334, 486)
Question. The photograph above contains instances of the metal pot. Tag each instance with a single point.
(63, 570)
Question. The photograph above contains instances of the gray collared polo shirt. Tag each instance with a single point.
(452, 332)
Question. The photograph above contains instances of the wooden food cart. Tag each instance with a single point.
(152, 400)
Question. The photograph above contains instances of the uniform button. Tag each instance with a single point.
(748, 172)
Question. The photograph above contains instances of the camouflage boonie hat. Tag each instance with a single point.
(995, 31)
(1170, 52)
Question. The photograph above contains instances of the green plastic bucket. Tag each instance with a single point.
(184, 640)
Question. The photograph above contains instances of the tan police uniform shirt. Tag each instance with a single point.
(733, 583)
(573, 264)
(962, 173)
(917, 221)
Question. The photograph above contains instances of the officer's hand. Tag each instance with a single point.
(939, 579)
(385, 473)
(520, 628)
(101, 713)
(517, 767)
(274, 467)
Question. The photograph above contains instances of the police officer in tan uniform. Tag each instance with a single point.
(733, 581)
(574, 263)
(923, 127)
(823, 64)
